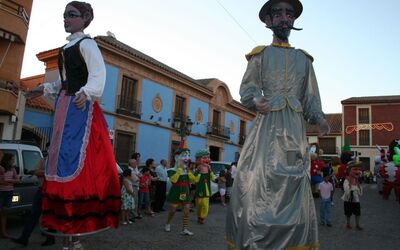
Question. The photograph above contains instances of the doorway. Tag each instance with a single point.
(214, 153)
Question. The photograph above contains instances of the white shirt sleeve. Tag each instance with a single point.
(96, 69)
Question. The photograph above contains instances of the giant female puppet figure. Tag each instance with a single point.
(81, 193)
(271, 205)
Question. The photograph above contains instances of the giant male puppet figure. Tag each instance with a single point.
(272, 205)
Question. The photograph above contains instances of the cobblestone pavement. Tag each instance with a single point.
(380, 219)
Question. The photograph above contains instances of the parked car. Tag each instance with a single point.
(26, 158)
(217, 166)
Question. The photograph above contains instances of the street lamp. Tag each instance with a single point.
(182, 129)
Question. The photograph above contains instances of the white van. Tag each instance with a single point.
(26, 158)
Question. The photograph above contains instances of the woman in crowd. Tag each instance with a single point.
(8, 177)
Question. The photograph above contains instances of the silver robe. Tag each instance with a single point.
(271, 204)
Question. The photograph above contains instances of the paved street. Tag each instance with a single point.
(380, 219)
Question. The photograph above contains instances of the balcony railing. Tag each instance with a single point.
(128, 106)
(218, 130)
(242, 138)
(15, 9)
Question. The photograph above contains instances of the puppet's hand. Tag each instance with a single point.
(323, 128)
(80, 100)
(262, 104)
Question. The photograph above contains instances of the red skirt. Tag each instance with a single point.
(89, 199)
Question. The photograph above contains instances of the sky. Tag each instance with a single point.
(355, 44)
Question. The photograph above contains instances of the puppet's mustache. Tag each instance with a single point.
(279, 26)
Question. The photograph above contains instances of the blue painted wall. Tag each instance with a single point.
(195, 143)
(153, 142)
(249, 126)
(108, 100)
(149, 90)
(37, 118)
(229, 117)
(194, 105)
(229, 152)
(110, 121)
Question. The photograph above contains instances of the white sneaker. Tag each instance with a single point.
(167, 228)
(187, 232)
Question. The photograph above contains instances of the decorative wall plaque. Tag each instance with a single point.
(199, 116)
(157, 103)
(232, 127)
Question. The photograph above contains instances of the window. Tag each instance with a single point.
(363, 137)
(30, 159)
(179, 106)
(363, 116)
(216, 117)
(125, 145)
(242, 132)
(328, 145)
(128, 90)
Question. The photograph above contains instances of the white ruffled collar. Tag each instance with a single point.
(77, 35)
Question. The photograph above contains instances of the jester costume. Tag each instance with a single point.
(179, 192)
(204, 176)
(81, 193)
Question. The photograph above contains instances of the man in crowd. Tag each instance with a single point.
(161, 186)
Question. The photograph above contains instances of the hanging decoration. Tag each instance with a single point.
(199, 116)
(388, 126)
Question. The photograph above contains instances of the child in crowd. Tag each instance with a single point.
(144, 193)
(352, 193)
(127, 196)
(222, 186)
(325, 189)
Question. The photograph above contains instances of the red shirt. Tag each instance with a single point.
(341, 171)
(144, 183)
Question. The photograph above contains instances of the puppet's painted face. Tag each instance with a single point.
(282, 15)
(204, 160)
(355, 172)
(183, 158)
(203, 163)
(73, 20)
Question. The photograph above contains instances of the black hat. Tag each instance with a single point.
(265, 10)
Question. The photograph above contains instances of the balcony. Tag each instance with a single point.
(128, 106)
(8, 98)
(14, 21)
(15, 9)
(218, 130)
